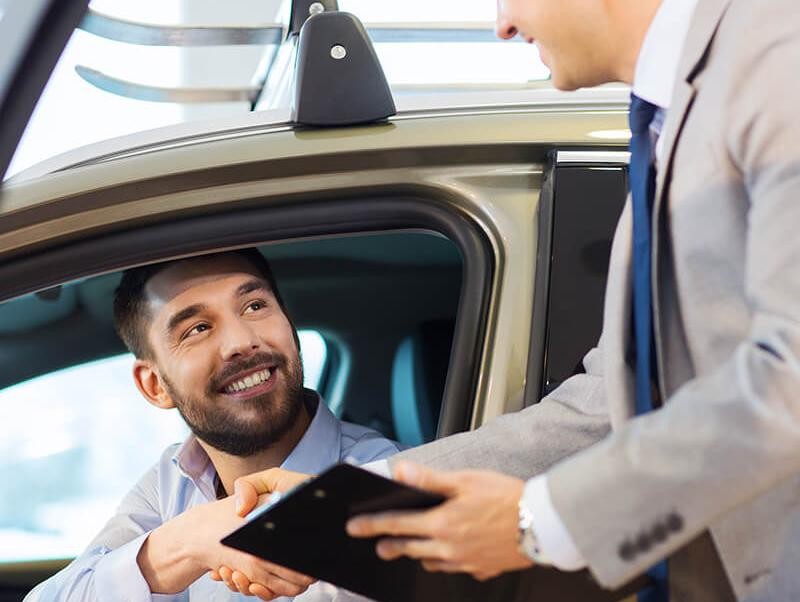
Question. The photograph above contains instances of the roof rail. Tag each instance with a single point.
(273, 81)
(339, 79)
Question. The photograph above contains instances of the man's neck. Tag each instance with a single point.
(636, 19)
(230, 467)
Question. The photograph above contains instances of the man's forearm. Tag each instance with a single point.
(167, 560)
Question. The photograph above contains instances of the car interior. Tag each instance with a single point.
(384, 304)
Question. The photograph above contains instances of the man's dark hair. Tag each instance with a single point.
(130, 301)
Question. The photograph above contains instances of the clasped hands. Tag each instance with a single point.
(474, 531)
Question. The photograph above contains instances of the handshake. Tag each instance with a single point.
(194, 536)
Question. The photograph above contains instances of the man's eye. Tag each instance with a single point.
(254, 306)
(196, 330)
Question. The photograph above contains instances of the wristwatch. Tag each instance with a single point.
(526, 536)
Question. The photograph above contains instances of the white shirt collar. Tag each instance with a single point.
(657, 66)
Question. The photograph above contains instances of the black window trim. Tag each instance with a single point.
(537, 352)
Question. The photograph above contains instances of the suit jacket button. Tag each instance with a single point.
(627, 551)
(643, 543)
(674, 522)
(659, 533)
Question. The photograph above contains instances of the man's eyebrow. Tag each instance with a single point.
(255, 284)
(183, 315)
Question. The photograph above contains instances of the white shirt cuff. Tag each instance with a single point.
(117, 575)
(555, 542)
(379, 467)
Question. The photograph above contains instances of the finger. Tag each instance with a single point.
(246, 496)
(441, 566)
(242, 582)
(283, 588)
(225, 573)
(214, 575)
(419, 476)
(262, 591)
(266, 481)
(289, 575)
(419, 525)
(422, 549)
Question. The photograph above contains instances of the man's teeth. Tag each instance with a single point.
(248, 381)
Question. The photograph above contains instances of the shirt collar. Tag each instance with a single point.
(319, 448)
(657, 66)
(193, 463)
(321, 445)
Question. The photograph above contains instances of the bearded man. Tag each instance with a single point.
(211, 338)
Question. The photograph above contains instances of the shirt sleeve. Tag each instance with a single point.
(555, 543)
(108, 569)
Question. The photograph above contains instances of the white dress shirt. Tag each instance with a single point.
(182, 479)
(654, 81)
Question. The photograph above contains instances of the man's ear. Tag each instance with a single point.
(149, 383)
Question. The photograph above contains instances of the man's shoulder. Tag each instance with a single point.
(164, 476)
(756, 26)
(364, 444)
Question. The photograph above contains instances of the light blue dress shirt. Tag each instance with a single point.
(185, 477)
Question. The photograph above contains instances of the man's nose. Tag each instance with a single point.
(504, 28)
(239, 340)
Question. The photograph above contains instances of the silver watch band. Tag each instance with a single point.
(527, 540)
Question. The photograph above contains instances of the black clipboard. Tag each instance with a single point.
(305, 531)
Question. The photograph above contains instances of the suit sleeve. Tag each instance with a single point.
(733, 434)
(108, 569)
(528, 442)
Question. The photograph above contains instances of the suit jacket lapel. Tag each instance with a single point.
(706, 19)
(704, 25)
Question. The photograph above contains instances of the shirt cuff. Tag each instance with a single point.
(555, 542)
(118, 576)
(379, 467)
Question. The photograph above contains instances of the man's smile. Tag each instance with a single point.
(250, 383)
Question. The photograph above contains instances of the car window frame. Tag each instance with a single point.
(392, 210)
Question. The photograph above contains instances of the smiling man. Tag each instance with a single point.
(211, 338)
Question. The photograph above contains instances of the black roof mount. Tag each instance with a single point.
(339, 79)
(303, 9)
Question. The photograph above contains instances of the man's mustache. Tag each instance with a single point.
(234, 368)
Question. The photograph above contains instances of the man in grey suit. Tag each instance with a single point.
(709, 478)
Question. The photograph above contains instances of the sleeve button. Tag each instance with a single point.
(627, 551)
(674, 522)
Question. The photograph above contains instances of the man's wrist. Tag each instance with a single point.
(170, 559)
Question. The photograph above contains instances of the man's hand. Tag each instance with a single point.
(181, 550)
(474, 531)
(248, 489)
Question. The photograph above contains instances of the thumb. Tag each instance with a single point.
(248, 488)
(426, 478)
(246, 496)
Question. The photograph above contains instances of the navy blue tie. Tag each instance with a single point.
(643, 187)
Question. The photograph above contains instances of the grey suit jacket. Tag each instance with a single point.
(723, 454)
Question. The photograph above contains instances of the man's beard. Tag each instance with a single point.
(222, 427)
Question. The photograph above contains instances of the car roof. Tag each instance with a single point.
(546, 99)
